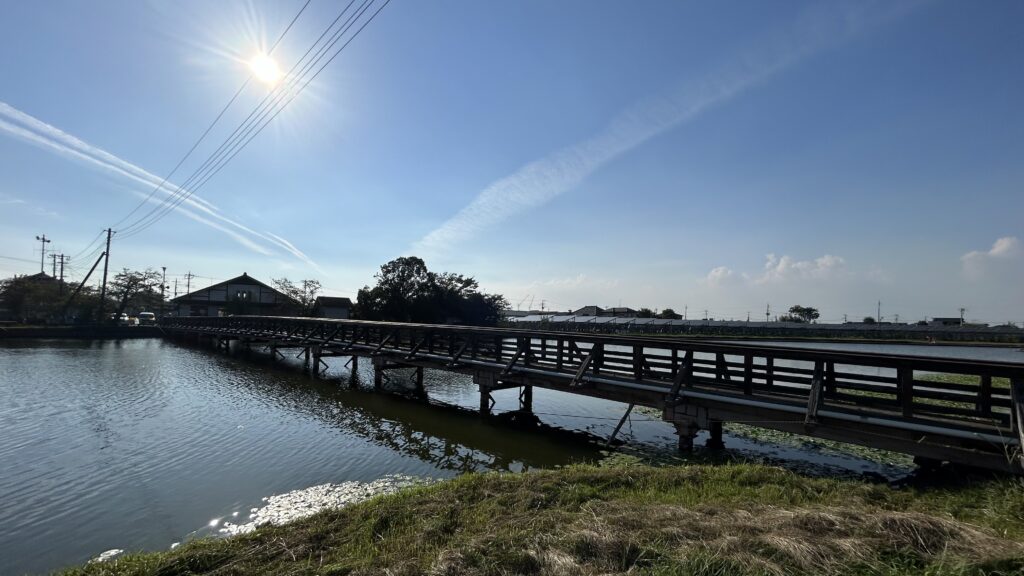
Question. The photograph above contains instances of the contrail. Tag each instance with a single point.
(39, 133)
(542, 180)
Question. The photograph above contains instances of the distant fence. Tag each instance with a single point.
(881, 331)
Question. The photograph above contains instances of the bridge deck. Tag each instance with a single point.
(886, 401)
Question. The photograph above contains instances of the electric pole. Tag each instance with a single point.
(175, 287)
(878, 315)
(190, 275)
(62, 259)
(42, 257)
(685, 307)
(163, 287)
(106, 264)
(53, 263)
(768, 312)
(962, 310)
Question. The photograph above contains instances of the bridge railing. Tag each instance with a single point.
(973, 398)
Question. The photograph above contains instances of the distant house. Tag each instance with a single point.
(589, 311)
(945, 321)
(332, 307)
(620, 312)
(241, 295)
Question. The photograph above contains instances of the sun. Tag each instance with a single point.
(265, 69)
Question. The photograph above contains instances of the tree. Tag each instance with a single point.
(136, 291)
(669, 314)
(302, 296)
(801, 314)
(31, 299)
(645, 313)
(868, 320)
(406, 291)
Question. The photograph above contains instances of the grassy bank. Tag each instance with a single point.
(706, 520)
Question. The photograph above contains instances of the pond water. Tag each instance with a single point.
(139, 444)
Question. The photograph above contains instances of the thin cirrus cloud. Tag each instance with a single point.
(34, 131)
(542, 180)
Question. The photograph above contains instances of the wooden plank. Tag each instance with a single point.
(984, 403)
(814, 398)
(578, 379)
(1017, 393)
(905, 385)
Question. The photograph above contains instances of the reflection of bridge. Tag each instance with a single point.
(891, 402)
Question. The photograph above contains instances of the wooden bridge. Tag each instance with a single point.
(961, 411)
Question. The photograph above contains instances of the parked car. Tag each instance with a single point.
(147, 318)
(122, 320)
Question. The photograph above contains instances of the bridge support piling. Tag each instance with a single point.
(715, 441)
(378, 373)
(318, 363)
(485, 381)
(418, 380)
(526, 399)
(687, 431)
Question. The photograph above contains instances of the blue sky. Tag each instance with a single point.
(713, 156)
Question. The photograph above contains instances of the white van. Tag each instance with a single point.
(146, 318)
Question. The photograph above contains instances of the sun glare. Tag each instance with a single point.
(265, 69)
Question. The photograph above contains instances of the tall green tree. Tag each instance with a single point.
(799, 313)
(407, 291)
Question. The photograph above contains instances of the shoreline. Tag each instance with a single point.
(739, 519)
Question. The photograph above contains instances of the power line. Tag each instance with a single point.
(240, 142)
(183, 188)
(212, 124)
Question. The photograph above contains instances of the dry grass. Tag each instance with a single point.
(697, 520)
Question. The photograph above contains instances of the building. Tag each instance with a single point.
(332, 307)
(243, 295)
(945, 321)
(589, 311)
(619, 312)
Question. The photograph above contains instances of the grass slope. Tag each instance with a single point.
(704, 520)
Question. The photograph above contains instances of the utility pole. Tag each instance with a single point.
(844, 318)
(42, 257)
(190, 275)
(106, 265)
(53, 262)
(175, 287)
(878, 315)
(768, 312)
(705, 314)
(63, 259)
(962, 310)
(748, 317)
(163, 286)
(685, 307)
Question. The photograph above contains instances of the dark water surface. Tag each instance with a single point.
(141, 443)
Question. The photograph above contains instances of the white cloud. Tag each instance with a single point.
(39, 133)
(1005, 250)
(720, 276)
(542, 180)
(786, 268)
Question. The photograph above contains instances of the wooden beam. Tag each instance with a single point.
(619, 426)
(578, 378)
(814, 398)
